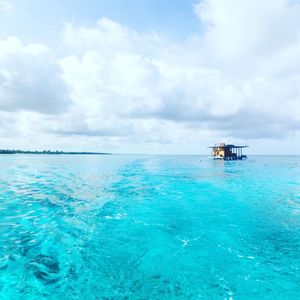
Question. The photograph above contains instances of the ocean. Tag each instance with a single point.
(149, 227)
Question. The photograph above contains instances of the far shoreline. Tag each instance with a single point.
(48, 152)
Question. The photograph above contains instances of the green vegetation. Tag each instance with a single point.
(5, 151)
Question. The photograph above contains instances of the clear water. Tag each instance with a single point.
(149, 227)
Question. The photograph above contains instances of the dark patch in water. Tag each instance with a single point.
(49, 261)
(3, 267)
(45, 278)
(45, 268)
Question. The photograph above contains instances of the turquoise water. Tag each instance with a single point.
(149, 227)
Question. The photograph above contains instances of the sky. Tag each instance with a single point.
(151, 76)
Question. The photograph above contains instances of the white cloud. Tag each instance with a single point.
(30, 79)
(236, 29)
(239, 79)
(6, 5)
(127, 84)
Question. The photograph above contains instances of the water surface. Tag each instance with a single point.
(149, 227)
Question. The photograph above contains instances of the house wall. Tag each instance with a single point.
(218, 152)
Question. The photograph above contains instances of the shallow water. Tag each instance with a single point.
(149, 227)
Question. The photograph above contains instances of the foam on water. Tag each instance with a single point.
(149, 227)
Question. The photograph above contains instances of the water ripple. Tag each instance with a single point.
(126, 227)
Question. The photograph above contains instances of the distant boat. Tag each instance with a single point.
(227, 152)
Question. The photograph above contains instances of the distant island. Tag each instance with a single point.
(50, 152)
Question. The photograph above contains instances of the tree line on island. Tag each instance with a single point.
(6, 151)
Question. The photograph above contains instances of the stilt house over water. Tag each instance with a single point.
(227, 152)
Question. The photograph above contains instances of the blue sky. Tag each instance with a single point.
(129, 76)
(42, 20)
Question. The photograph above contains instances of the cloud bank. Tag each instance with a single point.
(30, 79)
(240, 79)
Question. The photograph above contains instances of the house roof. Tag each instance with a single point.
(227, 146)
